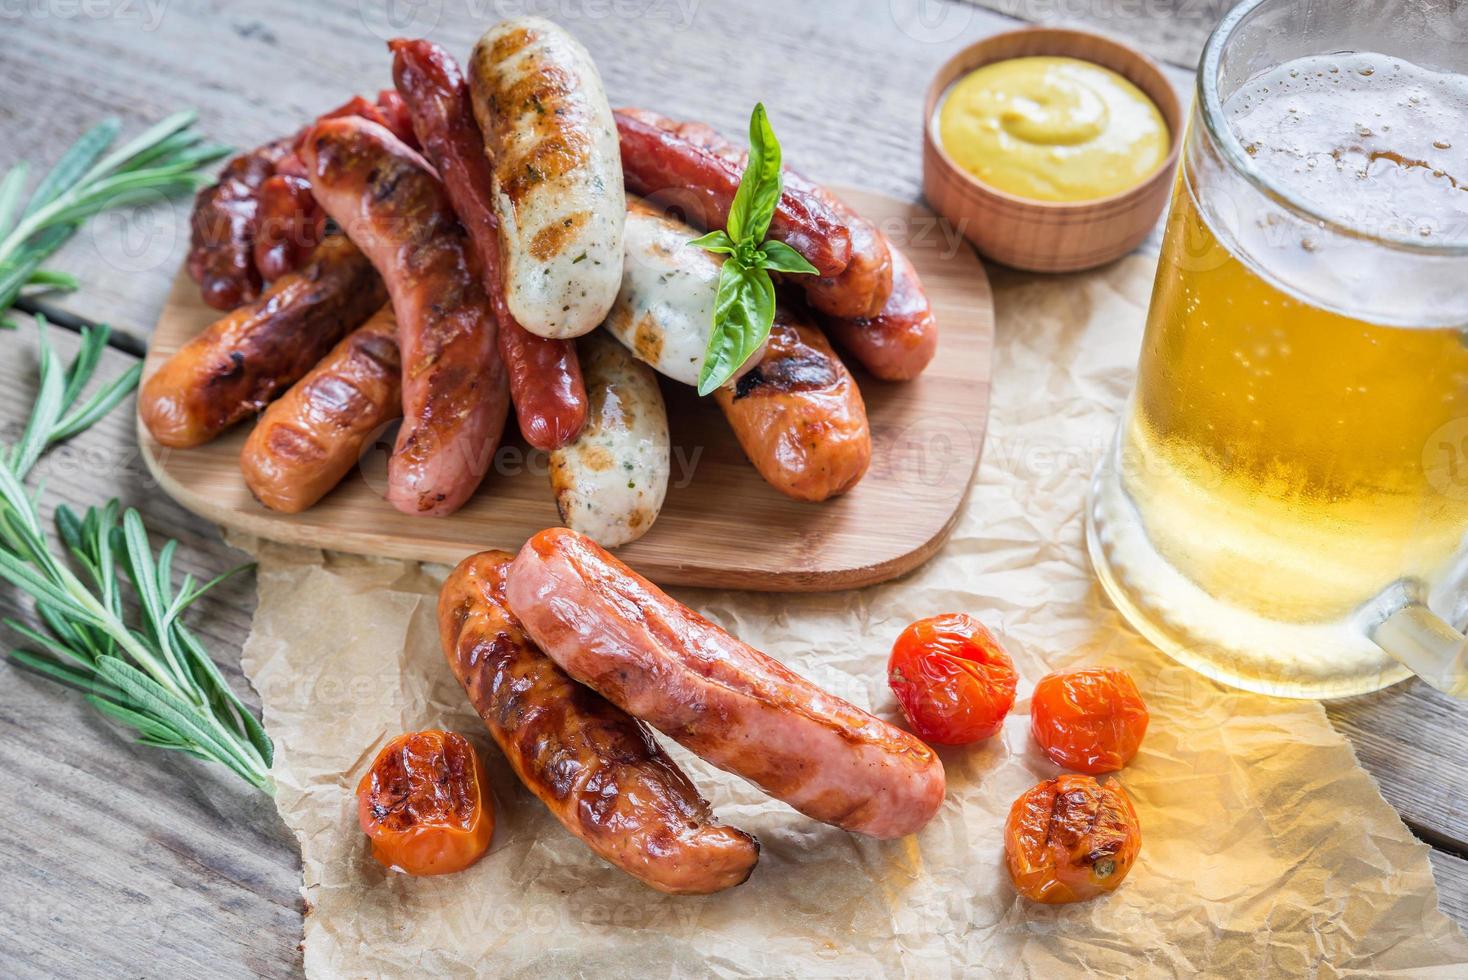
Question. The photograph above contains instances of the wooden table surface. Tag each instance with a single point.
(127, 861)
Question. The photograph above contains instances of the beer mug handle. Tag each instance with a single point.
(1427, 645)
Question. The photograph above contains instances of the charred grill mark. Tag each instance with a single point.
(229, 371)
(383, 186)
(510, 43)
(551, 240)
(647, 339)
(551, 156)
(338, 398)
(790, 365)
(804, 370)
(286, 442)
(380, 353)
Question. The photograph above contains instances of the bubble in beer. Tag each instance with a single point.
(1387, 174)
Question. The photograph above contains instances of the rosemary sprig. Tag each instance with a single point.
(155, 677)
(164, 160)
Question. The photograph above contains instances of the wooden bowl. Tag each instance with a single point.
(1049, 236)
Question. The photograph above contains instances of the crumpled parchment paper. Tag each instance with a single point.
(1266, 849)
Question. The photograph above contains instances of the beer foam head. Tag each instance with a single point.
(1343, 180)
(1368, 141)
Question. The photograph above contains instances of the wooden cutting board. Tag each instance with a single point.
(722, 525)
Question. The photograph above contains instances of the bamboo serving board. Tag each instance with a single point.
(722, 525)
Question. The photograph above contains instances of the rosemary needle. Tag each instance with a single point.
(165, 159)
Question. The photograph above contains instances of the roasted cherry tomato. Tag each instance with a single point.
(954, 681)
(1069, 839)
(425, 804)
(1088, 720)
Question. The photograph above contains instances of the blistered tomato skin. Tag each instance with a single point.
(1090, 720)
(426, 805)
(1070, 839)
(954, 681)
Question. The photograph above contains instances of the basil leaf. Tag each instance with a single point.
(717, 240)
(759, 187)
(780, 257)
(744, 309)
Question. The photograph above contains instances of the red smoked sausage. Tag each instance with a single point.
(597, 770)
(653, 657)
(455, 398)
(660, 162)
(896, 344)
(545, 377)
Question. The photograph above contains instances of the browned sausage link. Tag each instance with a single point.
(595, 768)
(455, 398)
(799, 415)
(545, 377)
(223, 228)
(312, 436)
(289, 226)
(861, 288)
(896, 344)
(653, 657)
(242, 361)
(662, 162)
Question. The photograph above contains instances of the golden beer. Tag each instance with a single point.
(1285, 455)
(1294, 460)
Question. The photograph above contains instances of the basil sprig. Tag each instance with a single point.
(744, 307)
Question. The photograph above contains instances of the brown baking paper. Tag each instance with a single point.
(1267, 849)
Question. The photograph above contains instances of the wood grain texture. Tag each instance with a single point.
(1050, 236)
(120, 858)
(845, 81)
(1451, 873)
(1170, 30)
(926, 436)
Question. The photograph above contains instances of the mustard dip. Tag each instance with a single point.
(1052, 129)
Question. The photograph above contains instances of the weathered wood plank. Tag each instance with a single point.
(1451, 873)
(1414, 740)
(1169, 30)
(121, 855)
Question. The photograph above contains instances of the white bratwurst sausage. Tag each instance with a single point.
(610, 481)
(665, 309)
(550, 136)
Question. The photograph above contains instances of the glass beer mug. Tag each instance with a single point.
(1286, 504)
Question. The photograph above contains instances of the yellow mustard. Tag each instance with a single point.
(1052, 129)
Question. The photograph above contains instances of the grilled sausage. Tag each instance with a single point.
(289, 226)
(223, 228)
(244, 360)
(311, 437)
(896, 344)
(610, 483)
(670, 163)
(799, 415)
(455, 398)
(862, 288)
(597, 770)
(660, 661)
(859, 289)
(545, 377)
(549, 134)
(665, 308)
